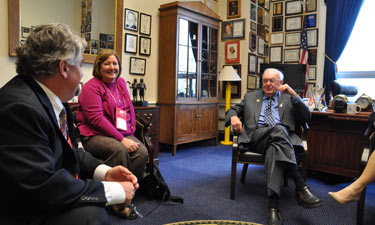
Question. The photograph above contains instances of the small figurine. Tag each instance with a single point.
(142, 88)
(134, 87)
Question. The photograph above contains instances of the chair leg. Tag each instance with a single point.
(233, 174)
(361, 207)
(243, 174)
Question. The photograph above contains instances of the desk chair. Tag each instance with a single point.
(252, 157)
(369, 136)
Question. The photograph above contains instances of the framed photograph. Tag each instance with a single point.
(251, 82)
(131, 43)
(311, 6)
(277, 23)
(260, 15)
(144, 45)
(311, 20)
(253, 26)
(137, 66)
(291, 55)
(278, 9)
(293, 23)
(312, 56)
(233, 29)
(252, 41)
(235, 85)
(292, 39)
(110, 38)
(252, 64)
(260, 30)
(145, 24)
(131, 19)
(260, 61)
(232, 52)
(276, 54)
(312, 38)
(266, 18)
(277, 38)
(213, 5)
(293, 7)
(260, 46)
(253, 12)
(233, 9)
(312, 73)
(25, 31)
(103, 37)
(267, 4)
(94, 44)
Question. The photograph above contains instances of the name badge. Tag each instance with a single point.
(121, 119)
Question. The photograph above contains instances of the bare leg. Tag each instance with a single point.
(353, 191)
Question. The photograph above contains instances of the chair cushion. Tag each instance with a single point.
(253, 157)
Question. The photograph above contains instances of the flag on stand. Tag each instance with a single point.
(304, 53)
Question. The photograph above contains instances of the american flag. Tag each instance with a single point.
(304, 53)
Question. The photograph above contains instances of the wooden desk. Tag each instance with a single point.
(335, 142)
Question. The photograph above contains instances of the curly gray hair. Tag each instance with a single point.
(45, 47)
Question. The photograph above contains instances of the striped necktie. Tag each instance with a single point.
(268, 118)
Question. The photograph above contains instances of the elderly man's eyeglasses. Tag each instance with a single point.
(272, 81)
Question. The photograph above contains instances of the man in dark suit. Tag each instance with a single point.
(44, 178)
(268, 127)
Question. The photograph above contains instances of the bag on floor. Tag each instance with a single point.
(155, 187)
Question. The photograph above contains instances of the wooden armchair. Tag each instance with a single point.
(369, 136)
(251, 157)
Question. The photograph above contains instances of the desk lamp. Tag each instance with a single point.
(228, 74)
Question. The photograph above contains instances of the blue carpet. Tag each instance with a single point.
(201, 175)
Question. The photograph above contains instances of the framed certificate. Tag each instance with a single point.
(312, 38)
(251, 82)
(277, 23)
(276, 54)
(293, 7)
(292, 39)
(312, 73)
(291, 55)
(252, 63)
(260, 61)
(311, 5)
(260, 45)
(277, 38)
(137, 66)
(293, 23)
(232, 52)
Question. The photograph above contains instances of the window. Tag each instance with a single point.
(357, 64)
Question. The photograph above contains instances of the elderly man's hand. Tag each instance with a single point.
(236, 124)
(285, 88)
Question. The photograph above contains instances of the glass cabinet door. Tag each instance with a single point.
(209, 62)
(187, 59)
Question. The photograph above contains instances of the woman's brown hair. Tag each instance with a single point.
(103, 55)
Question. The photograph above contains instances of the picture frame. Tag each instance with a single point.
(261, 30)
(233, 9)
(266, 35)
(253, 26)
(312, 56)
(233, 29)
(266, 18)
(25, 31)
(131, 43)
(312, 38)
(251, 82)
(311, 20)
(293, 23)
(252, 64)
(137, 66)
(277, 23)
(267, 4)
(277, 9)
(213, 5)
(277, 38)
(260, 46)
(293, 7)
(145, 24)
(253, 12)
(311, 73)
(232, 52)
(291, 55)
(131, 19)
(144, 46)
(261, 3)
(276, 55)
(252, 41)
(260, 60)
(292, 39)
(260, 15)
(235, 85)
(311, 6)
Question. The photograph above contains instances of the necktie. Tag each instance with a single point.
(63, 126)
(268, 118)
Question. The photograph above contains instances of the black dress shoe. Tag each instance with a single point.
(274, 217)
(306, 199)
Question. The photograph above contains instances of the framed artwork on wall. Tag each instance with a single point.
(311, 6)
(232, 52)
(145, 24)
(312, 38)
(277, 38)
(292, 39)
(260, 61)
(277, 23)
(137, 66)
(311, 20)
(293, 23)
(252, 64)
(131, 43)
(131, 20)
(213, 5)
(233, 29)
(260, 46)
(144, 45)
(291, 55)
(233, 9)
(312, 56)
(251, 82)
(276, 54)
(312, 73)
(293, 7)
(278, 9)
(252, 41)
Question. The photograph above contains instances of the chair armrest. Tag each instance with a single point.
(141, 132)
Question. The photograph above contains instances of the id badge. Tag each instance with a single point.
(121, 119)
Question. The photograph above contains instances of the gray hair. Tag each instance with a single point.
(281, 75)
(45, 47)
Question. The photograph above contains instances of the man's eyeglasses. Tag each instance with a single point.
(272, 81)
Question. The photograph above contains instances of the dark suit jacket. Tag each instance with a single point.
(250, 107)
(37, 165)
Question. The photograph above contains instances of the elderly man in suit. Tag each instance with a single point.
(44, 178)
(268, 126)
